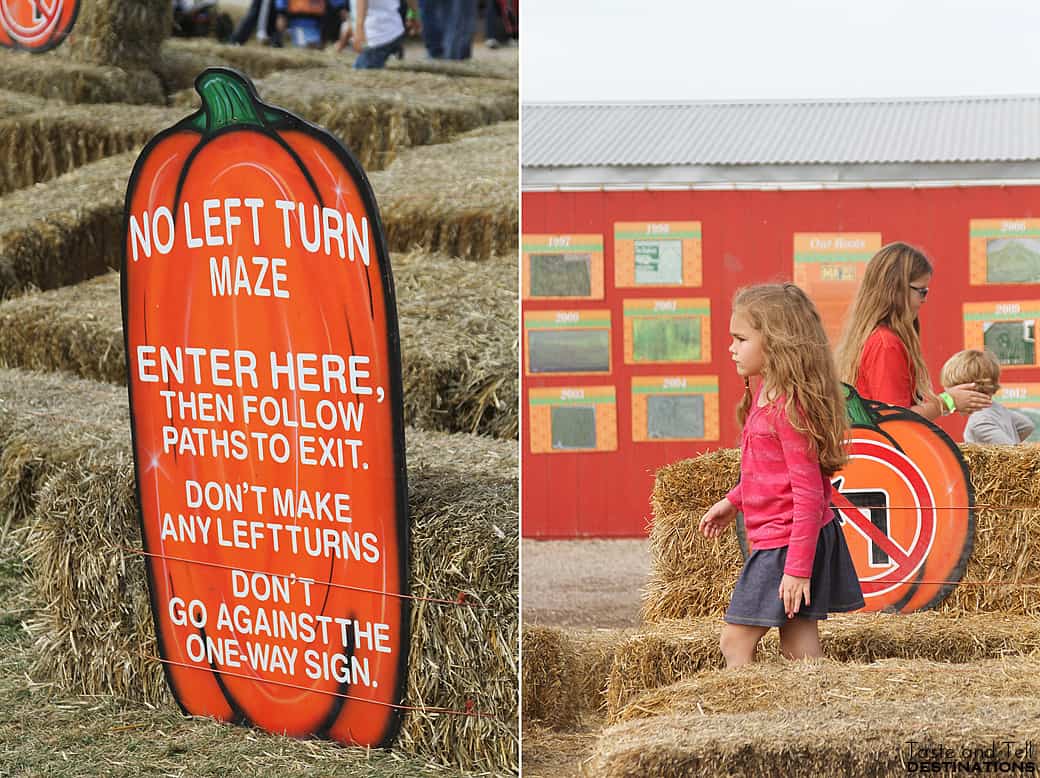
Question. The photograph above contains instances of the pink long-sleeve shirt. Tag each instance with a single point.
(784, 494)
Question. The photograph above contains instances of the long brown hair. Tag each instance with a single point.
(884, 298)
(798, 364)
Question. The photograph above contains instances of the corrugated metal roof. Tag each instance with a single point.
(855, 132)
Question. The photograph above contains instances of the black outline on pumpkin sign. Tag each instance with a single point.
(54, 41)
(894, 413)
(274, 120)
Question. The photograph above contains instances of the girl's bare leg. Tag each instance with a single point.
(800, 639)
(739, 642)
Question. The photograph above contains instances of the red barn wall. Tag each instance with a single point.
(747, 237)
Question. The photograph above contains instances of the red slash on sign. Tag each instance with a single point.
(883, 541)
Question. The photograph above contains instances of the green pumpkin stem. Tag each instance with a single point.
(227, 100)
(856, 409)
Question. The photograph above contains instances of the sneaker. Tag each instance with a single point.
(492, 43)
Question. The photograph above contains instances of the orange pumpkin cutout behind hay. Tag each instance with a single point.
(36, 25)
(264, 378)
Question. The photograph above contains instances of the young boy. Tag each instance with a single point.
(995, 424)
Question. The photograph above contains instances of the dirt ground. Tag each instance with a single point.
(583, 583)
(578, 584)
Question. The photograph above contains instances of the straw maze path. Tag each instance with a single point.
(78, 695)
(649, 696)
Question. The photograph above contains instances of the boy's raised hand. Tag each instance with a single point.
(717, 517)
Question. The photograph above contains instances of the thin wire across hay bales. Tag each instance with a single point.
(672, 651)
(93, 634)
(377, 113)
(816, 684)
(63, 231)
(45, 144)
(857, 739)
(120, 33)
(689, 575)
(459, 343)
(458, 198)
(457, 325)
(54, 77)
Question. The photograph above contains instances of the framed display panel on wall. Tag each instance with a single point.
(667, 331)
(1024, 398)
(829, 267)
(1004, 251)
(671, 408)
(571, 419)
(1007, 329)
(657, 254)
(567, 342)
(562, 267)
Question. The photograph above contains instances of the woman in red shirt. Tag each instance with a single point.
(880, 349)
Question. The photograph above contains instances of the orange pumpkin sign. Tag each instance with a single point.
(906, 504)
(265, 393)
(36, 25)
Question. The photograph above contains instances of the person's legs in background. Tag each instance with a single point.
(375, 57)
(460, 22)
(244, 31)
(431, 14)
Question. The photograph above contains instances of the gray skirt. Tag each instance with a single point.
(834, 586)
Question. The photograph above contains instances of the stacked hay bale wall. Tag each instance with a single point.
(94, 634)
(16, 103)
(857, 739)
(378, 113)
(669, 652)
(120, 33)
(42, 145)
(692, 577)
(62, 232)
(182, 59)
(59, 78)
(458, 198)
(456, 320)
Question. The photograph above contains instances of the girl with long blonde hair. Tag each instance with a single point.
(880, 348)
(794, 426)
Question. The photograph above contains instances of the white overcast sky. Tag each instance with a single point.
(602, 50)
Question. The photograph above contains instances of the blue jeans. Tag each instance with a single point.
(431, 13)
(459, 26)
(375, 57)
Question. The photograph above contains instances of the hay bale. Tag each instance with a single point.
(377, 113)
(120, 33)
(15, 103)
(64, 231)
(458, 198)
(691, 576)
(178, 67)
(39, 146)
(503, 67)
(55, 77)
(666, 653)
(784, 686)
(33, 444)
(857, 739)
(459, 345)
(551, 683)
(565, 674)
(456, 319)
(255, 61)
(94, 630)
